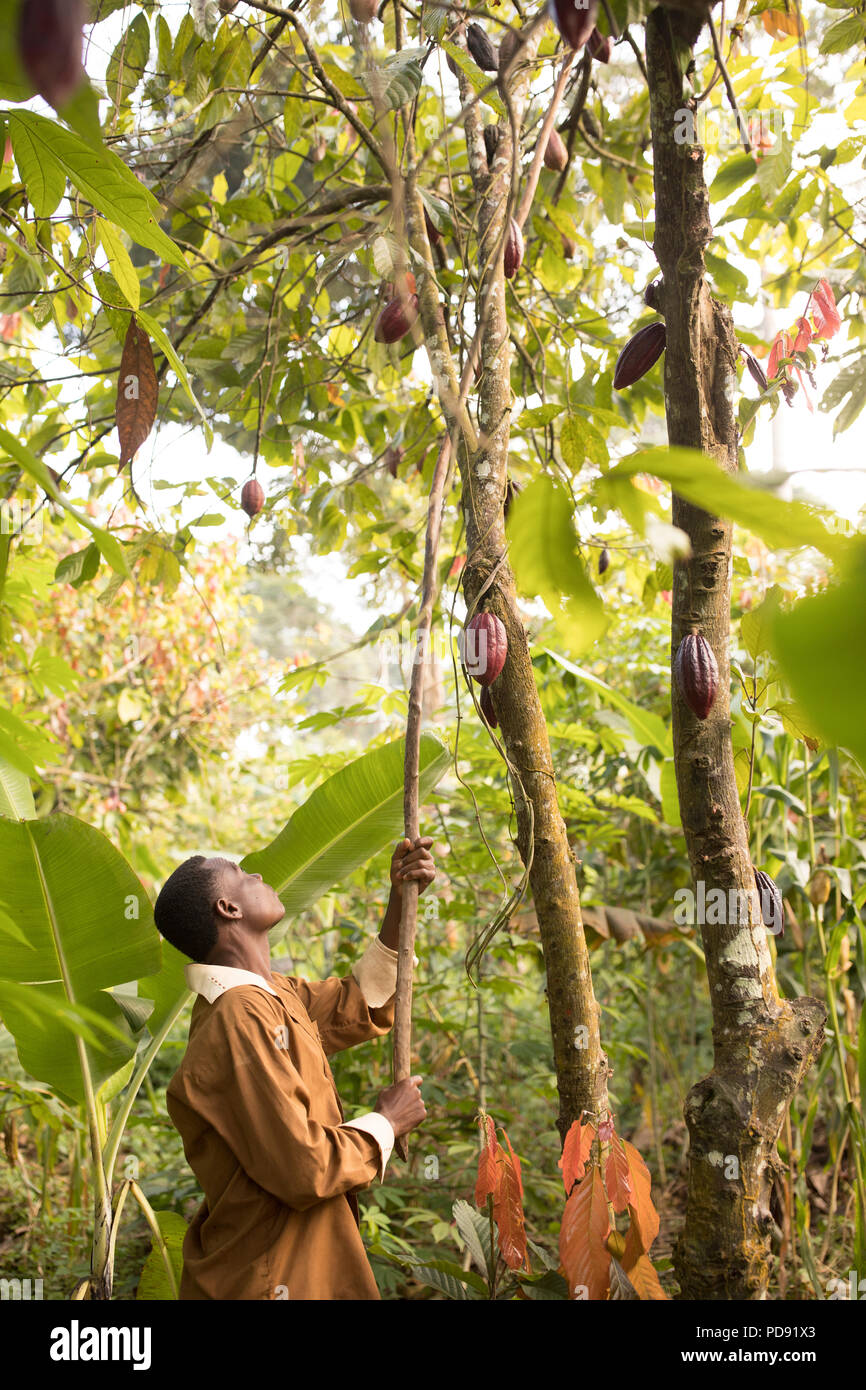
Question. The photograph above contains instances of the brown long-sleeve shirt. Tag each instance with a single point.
(256, 1105)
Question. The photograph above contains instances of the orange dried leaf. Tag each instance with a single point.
(645, 1281)
(781, 25)
(644, 1218)
(824, 311)
(782, 347)
(508, 1213)
(616, 1176)
(516, 1162)
(137, 392)
(575, 1152)
(584, 1231)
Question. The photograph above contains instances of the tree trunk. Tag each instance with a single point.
(762, 1045)
(581, 1066)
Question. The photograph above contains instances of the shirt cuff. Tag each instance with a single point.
(376, 973)
(380, 1129)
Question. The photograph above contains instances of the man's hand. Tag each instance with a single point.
(402, 1105)
(415, 862)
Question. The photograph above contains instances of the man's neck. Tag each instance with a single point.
(244, 956)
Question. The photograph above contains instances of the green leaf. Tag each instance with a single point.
(845, 34)
(163, 342)
(543, 553)
(821, 647)
(346, 820)
(16, 796)
(756, 625)
(118, 258)
(396, 80)
(731, 175)
(111, 549)
(128, 61)
(700, 480)
(649, 729)
(478, 80)
(155, 1282)
(105, 181)
(42, 175)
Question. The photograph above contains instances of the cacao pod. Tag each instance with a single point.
(604, 560)
(513, 250)
(599, 46)
(487, 649)
(392, 457)
(697, 674)
(434, 236)
(481, 48)
(512, 488)
(569, 247)
(639, 354)
(772, 907)
(252, 497)
(574, 22)
(555, 153)
(362, 11)
(819, 887)
(396, 319)
(591, 125)
(755, 370)
(491, 140)
(49, 42)
(487, 709)
(511, 40)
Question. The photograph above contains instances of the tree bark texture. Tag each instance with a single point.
(762, 1045)
(580, 1065)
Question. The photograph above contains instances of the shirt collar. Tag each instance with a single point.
(213, 980)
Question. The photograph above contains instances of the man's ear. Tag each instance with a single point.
(228, 910)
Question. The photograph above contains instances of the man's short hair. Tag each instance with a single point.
(184, 910)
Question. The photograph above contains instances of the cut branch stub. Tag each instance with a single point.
(137, 392)
(697, 674)
(639, 354)
(485, 651)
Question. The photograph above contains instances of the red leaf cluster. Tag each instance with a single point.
(499, 1177)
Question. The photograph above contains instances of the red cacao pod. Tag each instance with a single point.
(599, 45)
(487, 709)
(697, 674)
(639, 354)
(555, 153)
(481, 48)
(434, 236)
(362, 11)
(513, 250)
(485, 652)
(574, 21)
(396, 319)
(252, 497)
(393, 456)
(49, 42)
(772, 907)
(604, 560)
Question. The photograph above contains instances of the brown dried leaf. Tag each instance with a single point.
(137, 392)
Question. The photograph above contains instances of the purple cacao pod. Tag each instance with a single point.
(697, 674)
(574, 21)
(49, 42)
(513, 250)
(485, 651)
(639, 354)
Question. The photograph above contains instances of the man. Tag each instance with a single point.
(254, 1097)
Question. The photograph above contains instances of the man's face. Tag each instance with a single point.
(246, 895)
